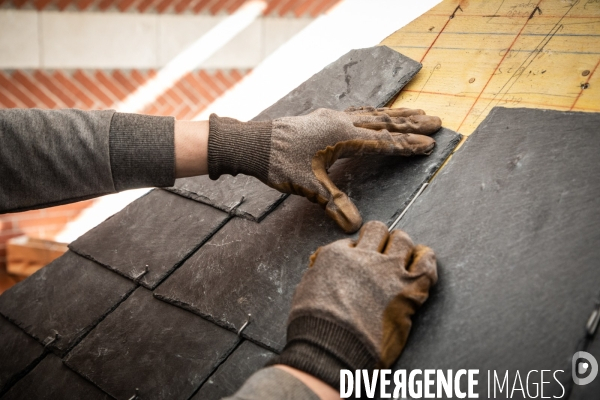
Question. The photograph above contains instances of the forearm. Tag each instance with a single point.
(55, 157)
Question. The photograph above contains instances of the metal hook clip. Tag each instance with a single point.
(234, 208)
(245, 325)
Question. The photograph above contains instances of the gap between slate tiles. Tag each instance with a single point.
(512, 219)
(233, 274)
(151, 237)
(51, 380)
(42, 311)
(370, 76)
(19, 354)
(153, 346)
(246, 359)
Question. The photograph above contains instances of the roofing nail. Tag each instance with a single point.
(408, 206)
(593, 320)
(136, 395)
(245, 325)
(49, 340)
(141, 275)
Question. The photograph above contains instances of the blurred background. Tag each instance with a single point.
(183, 58)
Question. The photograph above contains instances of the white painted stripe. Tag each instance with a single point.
(350, 25)
(193, 56)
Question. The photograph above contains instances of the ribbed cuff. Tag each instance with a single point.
(142, 151)
(236, 147)
(322, 348)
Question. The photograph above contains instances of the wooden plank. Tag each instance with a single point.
(510, 53)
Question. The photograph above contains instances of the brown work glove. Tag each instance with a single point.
(352, 309)
(293, 154)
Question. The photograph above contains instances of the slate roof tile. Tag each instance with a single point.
(231, 375)
(513, 219)
(68, 297)
(149, 345)
(154, 233)
(249, 268)
(18, 352)
(51, 380)
(370, 76)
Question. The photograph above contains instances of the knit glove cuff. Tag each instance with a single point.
(322, 348)
(236, 147)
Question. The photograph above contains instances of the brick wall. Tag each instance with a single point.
(297, 8)
(88, 90)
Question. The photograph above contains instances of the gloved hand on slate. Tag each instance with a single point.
(293, 154)
(352, 309)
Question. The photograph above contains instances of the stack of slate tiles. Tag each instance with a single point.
(186, 292)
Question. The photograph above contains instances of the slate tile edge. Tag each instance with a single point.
(139, 279)
(84, 332)
(235, 210)
(428, 178)
(20, 374)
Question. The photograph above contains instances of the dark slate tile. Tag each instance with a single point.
(68, 297)
(249, 268)
(51, 380)
(231, 375)
(371, 76)
(149, 345)
(514, 221)
(154, 234)
(17, 353)
(227, 192)
(362, 77)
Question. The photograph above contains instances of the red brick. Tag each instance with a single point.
(218, 6)
(152, 110)
(182, 5)
(272, 6)
(26, 82)
(138, 77)
(183, 112)
(110, 85)
(234, 6)
(171, 93)
(184, 87)
(62, 4)
(200, 6)
(287, 7)
(235, 74)
(221, 78)
(163, 5)
(105, 4)
(209, 81)
(55, 90)
(144, 5)
(124, 81)
(73, 88)
(301, 9)
(324, 6)
(83, 4)
(15, 91)
(41, 4)
(93, 88)
(191, 79)
(150, 74)
(19, 3)
(6, 102)
(123, 5)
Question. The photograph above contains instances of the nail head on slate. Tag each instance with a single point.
(471, 80)
(585, 73)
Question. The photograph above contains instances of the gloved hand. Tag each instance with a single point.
(352, 309)
(293, 154)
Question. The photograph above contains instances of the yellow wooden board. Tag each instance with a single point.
(513, 53)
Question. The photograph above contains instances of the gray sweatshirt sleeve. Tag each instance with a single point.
(52, 157)
(273, 384)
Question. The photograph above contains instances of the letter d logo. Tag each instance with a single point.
(580, 368)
